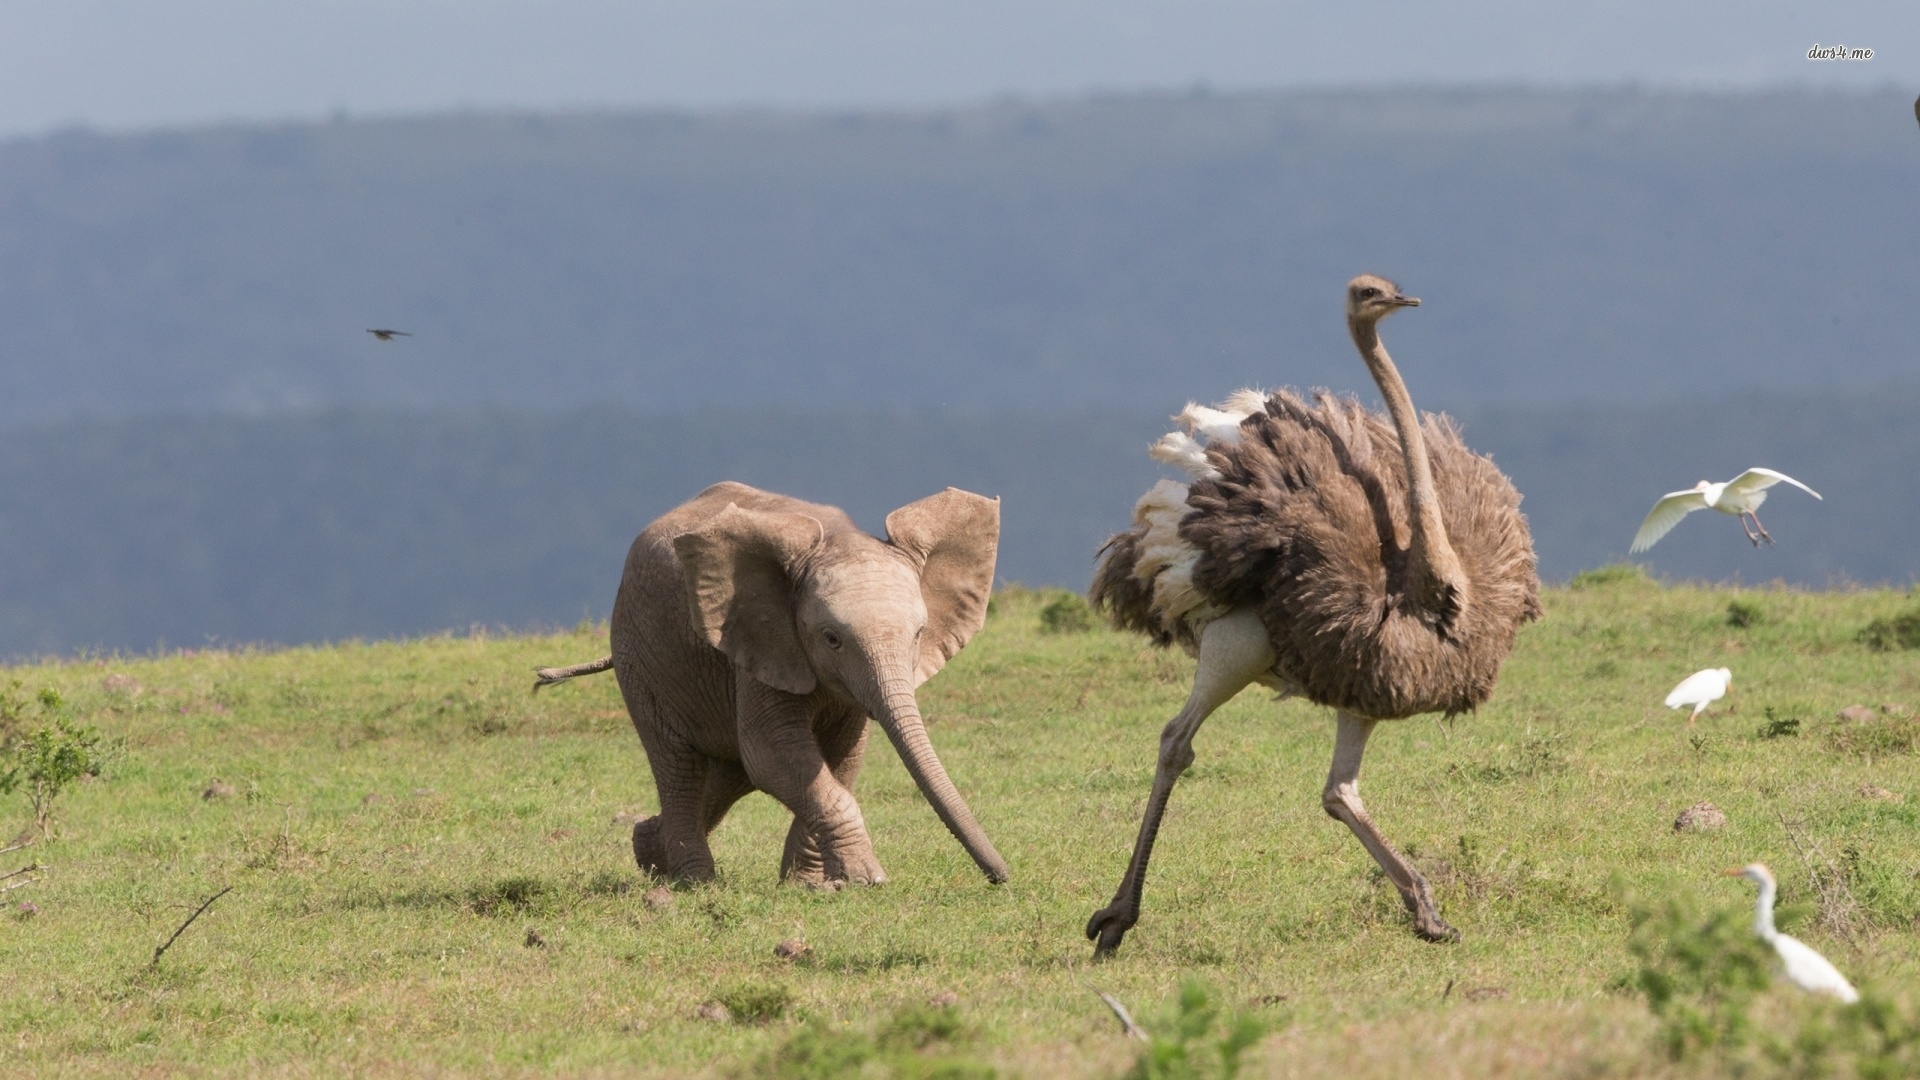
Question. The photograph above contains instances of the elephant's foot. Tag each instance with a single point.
(1426, 914)
(802, 863)
(817, 873)
(650, 852)
(1108, 926)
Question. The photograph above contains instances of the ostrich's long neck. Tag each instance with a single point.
(1433, 554)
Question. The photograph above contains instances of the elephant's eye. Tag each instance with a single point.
(832, 639)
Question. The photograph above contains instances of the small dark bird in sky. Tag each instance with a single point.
(1916, 108)
(389, 335)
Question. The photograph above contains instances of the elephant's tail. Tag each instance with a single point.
(547, 676)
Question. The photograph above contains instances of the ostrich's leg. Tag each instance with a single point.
(1341, 800)
(1233, 652)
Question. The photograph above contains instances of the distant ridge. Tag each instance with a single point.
(120, 534)
(1116, 253)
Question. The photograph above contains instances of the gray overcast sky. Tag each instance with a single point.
(127, 64)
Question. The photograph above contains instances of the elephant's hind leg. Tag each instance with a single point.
(673, 843)
(1234, 651)
(1341, 800)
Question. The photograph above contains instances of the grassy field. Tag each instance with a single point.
(428, 876)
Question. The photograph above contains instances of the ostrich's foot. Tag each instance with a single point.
(1108, 926)
(1426, 914)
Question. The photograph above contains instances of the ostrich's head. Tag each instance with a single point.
(1370, 299)
(1754, 872)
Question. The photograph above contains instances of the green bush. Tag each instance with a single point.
(1066, 613)
(1196, 1041)
(1887, 635)
(1778, 727)
(756, 1003)
(925, 1042)
(1699, 972)
(1612, 574)
(48, 758)
(1744, 613)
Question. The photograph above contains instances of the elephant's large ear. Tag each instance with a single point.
(740, 569)
(953, 537)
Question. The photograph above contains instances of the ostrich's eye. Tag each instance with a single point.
(1369, 292)
(832, 639)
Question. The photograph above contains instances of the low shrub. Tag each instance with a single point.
(1888, 635)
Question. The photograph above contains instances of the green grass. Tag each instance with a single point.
(403, 814)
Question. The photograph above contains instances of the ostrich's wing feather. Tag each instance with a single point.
(1665, 515)
(1757, 480)
(1307, 524)
(1808, 970)
(1698, 687)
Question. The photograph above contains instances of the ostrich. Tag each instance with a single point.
(1371, 564)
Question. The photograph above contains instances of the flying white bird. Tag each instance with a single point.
(1805, 968)
(1738, 497)
(1700, 689)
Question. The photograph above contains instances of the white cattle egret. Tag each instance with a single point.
(1700, 689)
(1805, 968)
(1738, 497)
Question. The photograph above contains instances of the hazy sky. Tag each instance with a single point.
(121, 64)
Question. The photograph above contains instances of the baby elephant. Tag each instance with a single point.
(753, 636)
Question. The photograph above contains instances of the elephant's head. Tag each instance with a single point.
(803, 606)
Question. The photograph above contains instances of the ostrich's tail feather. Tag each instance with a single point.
(1144, 579)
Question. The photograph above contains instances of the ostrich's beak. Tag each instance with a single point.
(1406, 301)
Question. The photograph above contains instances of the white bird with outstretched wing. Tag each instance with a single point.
(1738, 497)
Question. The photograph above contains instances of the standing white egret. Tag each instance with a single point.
(1805, 968)
(1700, 689)
(1738, 497)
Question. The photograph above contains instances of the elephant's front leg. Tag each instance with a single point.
(783, 758)
(843, 745)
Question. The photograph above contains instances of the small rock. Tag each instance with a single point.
(945, 999)
(1880, 794)
(658, 898)
(713, 1011)
(217, 789)
(1854, 714)
(1700, 817)
(629, 818)
(371, 798)
(27, 909)
(792, 949)
(1485, 993)
(534, 940)
(1894, 708)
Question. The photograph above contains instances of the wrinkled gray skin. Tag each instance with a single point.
(755, 634)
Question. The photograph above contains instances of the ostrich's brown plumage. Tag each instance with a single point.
(1307, 522)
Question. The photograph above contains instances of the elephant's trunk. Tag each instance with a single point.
(898, 713)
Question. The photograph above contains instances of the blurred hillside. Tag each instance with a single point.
(1120, 253)
(122, 534)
